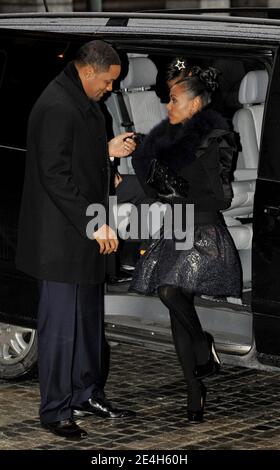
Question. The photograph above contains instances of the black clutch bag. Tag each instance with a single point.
(166, 181)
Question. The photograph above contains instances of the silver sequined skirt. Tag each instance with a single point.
(210, 267)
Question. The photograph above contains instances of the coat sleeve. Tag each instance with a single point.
(141, 161)
(217, 159)
(226, 149)
(141, 165)
(54, 157)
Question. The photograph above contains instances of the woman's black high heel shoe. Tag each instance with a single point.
(196, 417)
(213, 365)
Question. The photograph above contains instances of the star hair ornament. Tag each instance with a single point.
(180, 64)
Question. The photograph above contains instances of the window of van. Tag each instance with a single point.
(26, 67)
(30, 66)
(3, 60)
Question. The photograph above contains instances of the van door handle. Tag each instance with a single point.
(272, 210)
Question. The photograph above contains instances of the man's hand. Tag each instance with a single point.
(122, 145)
(107, 240)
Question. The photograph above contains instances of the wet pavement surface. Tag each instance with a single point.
(242, 409)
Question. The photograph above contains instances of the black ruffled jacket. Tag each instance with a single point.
(201, 150)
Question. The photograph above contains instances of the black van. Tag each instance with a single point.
(35, 48)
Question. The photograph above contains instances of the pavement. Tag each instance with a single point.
(242, 409)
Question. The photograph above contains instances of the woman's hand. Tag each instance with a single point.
(117, 180)
(122, 146)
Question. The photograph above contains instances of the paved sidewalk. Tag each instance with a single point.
(243, 409)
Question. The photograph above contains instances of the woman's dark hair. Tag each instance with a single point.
(201, 82)
(99, 54)
(178, 68)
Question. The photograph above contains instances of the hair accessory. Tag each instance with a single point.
(180, 64)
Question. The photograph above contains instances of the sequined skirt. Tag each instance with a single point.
(210, 267)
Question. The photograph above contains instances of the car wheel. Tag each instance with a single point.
(18, 351)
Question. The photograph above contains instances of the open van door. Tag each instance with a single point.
(266, 226)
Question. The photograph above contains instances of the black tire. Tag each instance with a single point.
(18, 352)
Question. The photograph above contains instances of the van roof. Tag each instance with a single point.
(167, 25)
(248, 12)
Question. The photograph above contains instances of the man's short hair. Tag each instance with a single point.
(98, 54)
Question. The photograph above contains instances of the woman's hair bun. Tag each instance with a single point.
(209, 77)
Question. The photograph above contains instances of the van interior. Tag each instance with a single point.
(143, 90)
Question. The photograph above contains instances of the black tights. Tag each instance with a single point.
(189, 339)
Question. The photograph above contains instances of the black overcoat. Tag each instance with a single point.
(67, 169)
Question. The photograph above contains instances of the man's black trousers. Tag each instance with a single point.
(73, 355)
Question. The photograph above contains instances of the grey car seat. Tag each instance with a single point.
(247, 122)
(143, 106)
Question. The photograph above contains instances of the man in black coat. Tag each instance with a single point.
(67, 170)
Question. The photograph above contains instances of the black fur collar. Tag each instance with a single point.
(177, 144)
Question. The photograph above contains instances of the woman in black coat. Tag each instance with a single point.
(187, 159)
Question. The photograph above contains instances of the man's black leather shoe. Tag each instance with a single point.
(101, 407)
(65, 428)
